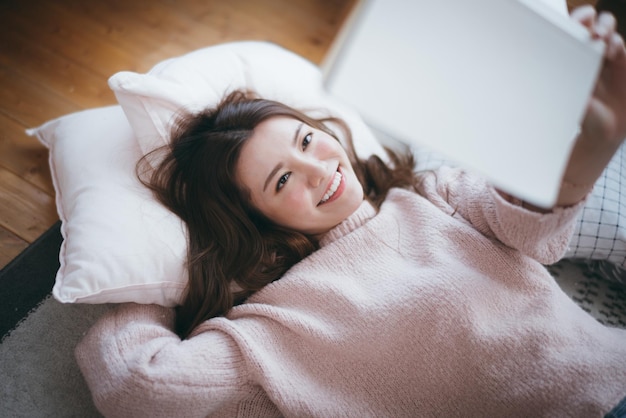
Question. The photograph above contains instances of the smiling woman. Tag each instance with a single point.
(257, 182)
(424, 300)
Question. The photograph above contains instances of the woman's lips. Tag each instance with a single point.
(338, 184)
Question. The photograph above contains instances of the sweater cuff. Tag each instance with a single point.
(543, 236)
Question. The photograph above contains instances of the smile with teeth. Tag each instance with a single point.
(333, 187)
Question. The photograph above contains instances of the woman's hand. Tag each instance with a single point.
(605, 119)
(603, 128)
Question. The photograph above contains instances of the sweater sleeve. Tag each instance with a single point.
(542, 236)
(135, 365)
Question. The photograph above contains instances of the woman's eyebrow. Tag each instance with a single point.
(272, 174)
(280, 165)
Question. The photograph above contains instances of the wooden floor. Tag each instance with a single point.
(56, 56)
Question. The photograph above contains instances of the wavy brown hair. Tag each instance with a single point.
(233, 249)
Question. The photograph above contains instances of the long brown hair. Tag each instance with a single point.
(233, 250)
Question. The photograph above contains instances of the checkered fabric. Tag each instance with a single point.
(601, 229)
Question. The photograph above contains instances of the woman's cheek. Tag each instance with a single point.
(326, 145)
(296, 201)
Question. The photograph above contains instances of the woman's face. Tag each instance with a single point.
(299, 177)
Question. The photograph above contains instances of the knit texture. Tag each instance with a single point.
(436, 306)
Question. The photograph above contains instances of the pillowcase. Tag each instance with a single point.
(120, 244)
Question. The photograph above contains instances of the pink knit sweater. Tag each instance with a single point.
(433, 307)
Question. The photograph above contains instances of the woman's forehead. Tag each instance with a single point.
(264, 150)
(277, 124)
(271, 138)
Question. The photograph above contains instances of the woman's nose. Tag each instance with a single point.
(315, 170)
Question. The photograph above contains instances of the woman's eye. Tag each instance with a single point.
(306, 140)
(281, 181)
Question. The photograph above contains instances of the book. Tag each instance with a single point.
(497, 86)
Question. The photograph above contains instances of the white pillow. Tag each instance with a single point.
(120, 245)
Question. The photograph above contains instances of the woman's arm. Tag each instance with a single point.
(543, 236)
(135, 365)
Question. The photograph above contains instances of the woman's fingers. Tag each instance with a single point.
(586, 15)
(615, 47)
(605, 26)
(600, 26)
